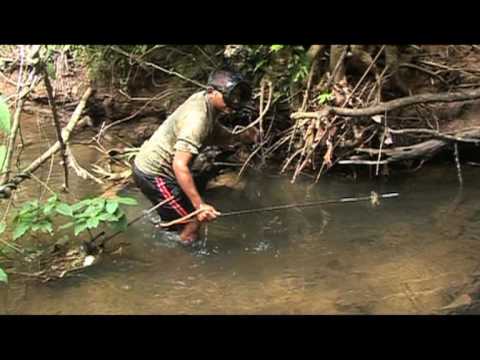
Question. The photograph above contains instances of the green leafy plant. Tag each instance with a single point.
(85, 215)
(34, 217)
(90, 213)
(298, 65)
(324, 97)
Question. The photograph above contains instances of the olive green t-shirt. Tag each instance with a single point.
(188, 128)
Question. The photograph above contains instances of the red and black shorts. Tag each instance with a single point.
(157, 189)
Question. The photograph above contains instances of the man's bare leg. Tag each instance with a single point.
(189, 233)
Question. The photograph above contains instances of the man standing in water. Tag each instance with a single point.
(162, 166)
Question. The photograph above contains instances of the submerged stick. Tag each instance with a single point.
(457, 164)
(91, 244)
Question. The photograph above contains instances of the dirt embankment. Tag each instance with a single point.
(126, 115)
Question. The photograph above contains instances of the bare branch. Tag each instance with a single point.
(5, 189)
(393, 104)
(56, 122)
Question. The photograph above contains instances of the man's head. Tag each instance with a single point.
(228, 90)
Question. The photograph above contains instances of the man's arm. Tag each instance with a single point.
(184, 177)
(223, 136)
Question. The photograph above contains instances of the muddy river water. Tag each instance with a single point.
(410, 255)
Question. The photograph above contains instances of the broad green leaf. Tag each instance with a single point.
(93, 223)
(79, 228)
(52, 199)
(108, 217)
(89, 212)
(29, 206)
(3, 276)
(81, 204)
(126, 200)
(112, 206)
(104, 216)
(27, 218)
(4, 117)
(3, 226)
(64, 209)
(47, 210)
(20, 230)
(46, 226)
(323, 98)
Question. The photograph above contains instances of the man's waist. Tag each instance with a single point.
(162, 171)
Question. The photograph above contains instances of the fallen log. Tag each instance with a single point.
(424, 150)
(385, 107)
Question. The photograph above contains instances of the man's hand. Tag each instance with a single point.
(209, 213)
